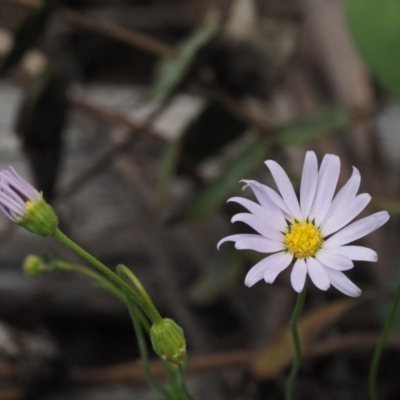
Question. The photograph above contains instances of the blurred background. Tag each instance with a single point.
(138, 119)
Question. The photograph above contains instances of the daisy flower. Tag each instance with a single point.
(24, 205)
(314, 232)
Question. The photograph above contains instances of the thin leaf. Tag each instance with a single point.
(172, 73)
(168, 166)
(205, 135)
(312, 127)
(217, 192)
(375, 27)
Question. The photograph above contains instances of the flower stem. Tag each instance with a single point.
(100, 279)
(183, 382)
(135, 315)
(373, 372)
(142, 291)
(146, 307)
(173, 382)
(296, 344)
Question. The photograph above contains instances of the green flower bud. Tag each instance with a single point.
(33, 266)
(40, 218)
(168, 341)
(23, 204)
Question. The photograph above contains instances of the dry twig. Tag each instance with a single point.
(128, 36)
(11, 393)
(133, 372)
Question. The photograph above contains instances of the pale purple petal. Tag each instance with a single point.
(269, 193)
(234, 238)
(249, 241)
(256, 273)
(11, 205)
(260, 226)
(358, 229)
(260, 244)
(10, 193)
(281, 262)
(10, 198)
(285, 188)
(356, 253)
(8, 213)
(251, 206)
(298, 275)
(346, 214)
(345, 195)
(327, 180)
(273, 211)
(341, 282)
(10, 210)
(334, 260)
(309, 181)
(271, 214)
(279, 202)
(14, 192)
(30, 190)
(317, 274)
(21, 185)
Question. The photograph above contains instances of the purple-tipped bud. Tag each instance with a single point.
(15, 193)
(23, 204)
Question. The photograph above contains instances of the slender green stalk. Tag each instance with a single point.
(100, 279)
(104, 282)
(373, 372)
(296, 344)
(59, 265)
(112, 289)
(146, 307)
(143, 300)
(152, 308)
(173, 384)
(124, 273)
(183, 382)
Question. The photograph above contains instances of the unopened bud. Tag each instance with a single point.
(168, 341)
(33, 266)
(23, 204)
(40, 218)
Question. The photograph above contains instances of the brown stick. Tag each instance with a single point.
(114, 117)
(11, 393)
(133, 372)
(128, 36)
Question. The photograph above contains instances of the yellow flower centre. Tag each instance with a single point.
(29, 204)
(303, 239)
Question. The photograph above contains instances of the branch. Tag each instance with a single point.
(11, 393)
(133, 372)
(115, 118)
(128, 36)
